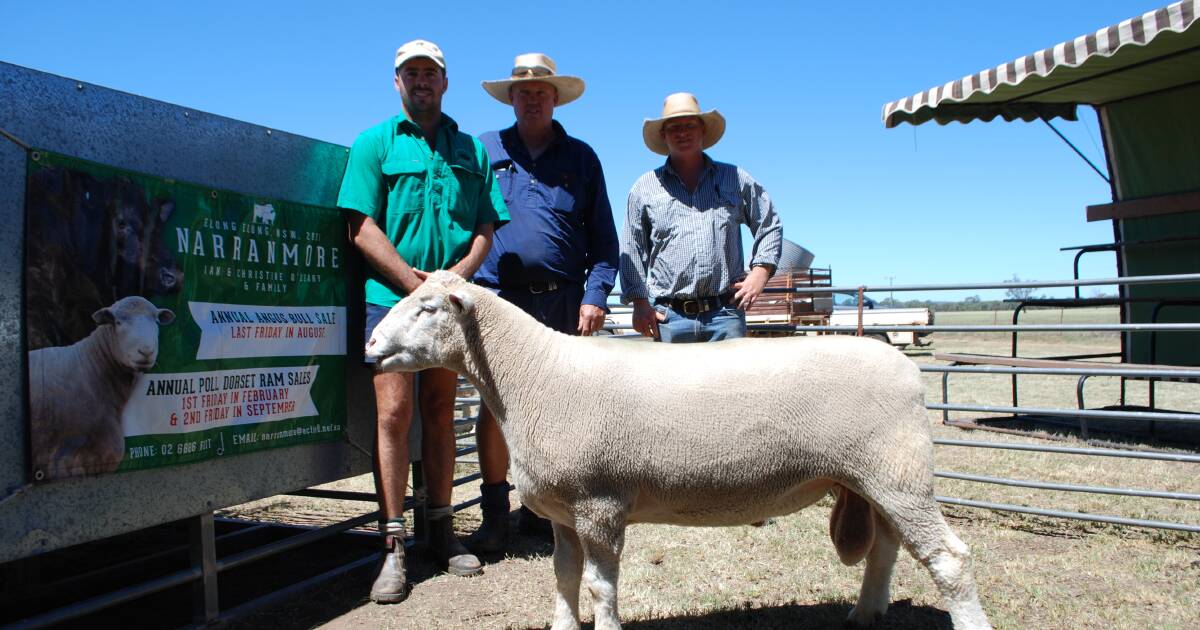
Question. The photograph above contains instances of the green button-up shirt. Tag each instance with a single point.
(428, 202)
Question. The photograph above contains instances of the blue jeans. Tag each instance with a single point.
(726, 322)
(375, 314)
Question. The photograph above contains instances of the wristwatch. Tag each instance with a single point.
(770, 268)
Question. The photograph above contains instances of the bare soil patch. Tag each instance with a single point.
(1032, 572)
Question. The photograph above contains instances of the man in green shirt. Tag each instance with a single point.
(419, 196)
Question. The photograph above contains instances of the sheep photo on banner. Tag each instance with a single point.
(170, 323)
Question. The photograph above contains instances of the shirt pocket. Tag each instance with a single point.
(405, 181)
(666, 217)
(504, 171)
(728, 209)
(563, 201)
(463, 203)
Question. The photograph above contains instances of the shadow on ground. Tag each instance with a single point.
(901, 615)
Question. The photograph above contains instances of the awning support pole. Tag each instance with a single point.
(1077, 151)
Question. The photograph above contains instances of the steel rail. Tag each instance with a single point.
(932, 328)
(1081, 516)
(106, 600)
(287, 544)
(1023, 284)
(1071, 413)
(286, 593)
(1072, 450)
(1069, 487)
(1004, 369)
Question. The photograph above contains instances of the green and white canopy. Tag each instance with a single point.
(1163, 46)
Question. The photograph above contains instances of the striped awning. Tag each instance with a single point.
(1152, 52)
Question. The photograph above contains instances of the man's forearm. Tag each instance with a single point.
(481, 243)
(381, 254)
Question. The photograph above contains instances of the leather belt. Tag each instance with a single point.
(536, 288)
(696, 306)
(542, 287)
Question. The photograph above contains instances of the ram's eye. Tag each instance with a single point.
(428, 308)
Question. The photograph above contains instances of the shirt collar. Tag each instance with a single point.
(709, 166)
(511, 137)
(404, 124)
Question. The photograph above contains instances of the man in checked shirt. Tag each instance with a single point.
(681, 247)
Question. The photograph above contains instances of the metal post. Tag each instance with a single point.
(203, 551)
(1016, 316)
(945, 397)
(420, 515)
(1083, 426)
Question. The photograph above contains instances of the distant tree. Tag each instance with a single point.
(971, 299)
(1017, 293)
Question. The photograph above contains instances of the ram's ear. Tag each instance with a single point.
(104, 316)
(460, 302)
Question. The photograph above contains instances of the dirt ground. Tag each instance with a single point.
(1032, 572)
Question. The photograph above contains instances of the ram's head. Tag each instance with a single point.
(425, 330)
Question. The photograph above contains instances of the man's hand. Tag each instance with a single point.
(751, 287)
(591, 319)
(646, 317)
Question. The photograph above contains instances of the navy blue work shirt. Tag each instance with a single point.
(561, 226)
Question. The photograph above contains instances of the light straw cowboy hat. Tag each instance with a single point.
(536, 67)
(679, 105)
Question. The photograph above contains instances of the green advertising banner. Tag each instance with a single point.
(169, 323)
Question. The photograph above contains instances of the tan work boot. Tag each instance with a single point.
(391, 585)
(445, 547)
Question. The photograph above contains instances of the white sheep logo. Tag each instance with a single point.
(693, 434)
(77, 392)
(264, 213)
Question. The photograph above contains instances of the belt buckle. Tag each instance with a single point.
(695, 307)
(538, 288)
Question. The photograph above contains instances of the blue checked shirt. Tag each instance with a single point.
(683, 245)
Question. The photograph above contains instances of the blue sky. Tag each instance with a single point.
(801, 85)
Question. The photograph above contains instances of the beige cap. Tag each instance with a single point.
(420, 48)
(679, 105)
(536, 67)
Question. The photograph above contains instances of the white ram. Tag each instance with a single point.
(77, 392)
(605, 433)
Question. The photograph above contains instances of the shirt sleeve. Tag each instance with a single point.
(634, 246)
(362, 184)
(763, 222)
(491, 207)
(603, 249)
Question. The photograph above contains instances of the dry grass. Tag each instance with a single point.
(1032, 572)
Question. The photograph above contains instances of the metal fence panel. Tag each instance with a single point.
(127, 131)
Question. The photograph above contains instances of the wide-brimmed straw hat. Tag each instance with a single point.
(679, 105)
(536, 67)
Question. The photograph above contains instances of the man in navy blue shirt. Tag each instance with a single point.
(556, 258)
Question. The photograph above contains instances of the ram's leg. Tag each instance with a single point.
(918, 523)
(875, 595)
(568, 568)
(602, 544)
